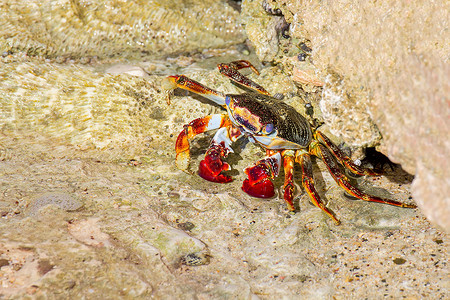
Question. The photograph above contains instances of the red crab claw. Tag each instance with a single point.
(258, 183)
(211, 167)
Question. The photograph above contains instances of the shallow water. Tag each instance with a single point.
(129, 237)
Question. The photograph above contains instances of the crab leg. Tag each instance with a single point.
(241, 64)
(231, 71)
(258, 183)
(183, 82)
(190, 130)
(303, 158)
(342, 157)
(322, 152)
(288, 187)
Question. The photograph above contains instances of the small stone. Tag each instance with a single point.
(70, 284)
(305, 47)
(399, 261)
(32, 289)
(44, 266)
(195, 259)
(302, 56)
(186, 226)
(3, 262)
(62, 200)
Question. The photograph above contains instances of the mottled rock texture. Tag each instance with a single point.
(143, 224)
(129, 29)
(387, 82)
(92, 205)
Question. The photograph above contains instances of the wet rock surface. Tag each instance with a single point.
(129, 239)
(91, 30)
(92, 204)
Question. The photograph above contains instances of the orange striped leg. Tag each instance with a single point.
(231, 71)
(190, 130)
(288, 187)
(303, 158)
(321, 151)
(342, 157)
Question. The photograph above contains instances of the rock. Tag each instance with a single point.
(149, 230)
(126, 29)
(128, 237)
(386, 79)
(88, 232)
(63, 201)
(261, 29)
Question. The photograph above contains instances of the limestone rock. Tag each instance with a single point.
(260, 28)
(105, 29)
(147, 229)
(387, 79)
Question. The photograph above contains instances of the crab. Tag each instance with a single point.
(285, 135)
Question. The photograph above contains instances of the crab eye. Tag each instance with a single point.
(227, 100)
(268, 128)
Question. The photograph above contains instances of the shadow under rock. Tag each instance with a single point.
(394, 172)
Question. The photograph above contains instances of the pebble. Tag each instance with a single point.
(195, 259)
(62, 200)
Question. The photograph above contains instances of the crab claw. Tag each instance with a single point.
(258, 183)
(212, 166)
